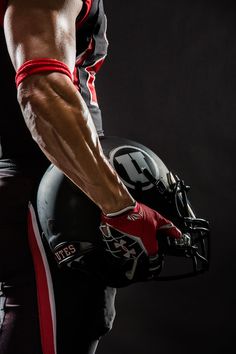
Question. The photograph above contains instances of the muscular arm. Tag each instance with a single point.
(65, 132)
(53, 109)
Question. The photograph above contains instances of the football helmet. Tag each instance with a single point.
(70, 221)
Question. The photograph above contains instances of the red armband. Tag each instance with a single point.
(41, 65)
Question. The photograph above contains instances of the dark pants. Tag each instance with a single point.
(35, 295)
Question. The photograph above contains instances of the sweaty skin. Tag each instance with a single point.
(53, 109)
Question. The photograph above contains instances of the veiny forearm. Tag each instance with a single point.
(61, 124)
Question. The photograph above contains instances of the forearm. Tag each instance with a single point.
(60, 123)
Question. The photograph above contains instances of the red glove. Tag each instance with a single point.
(143, 223)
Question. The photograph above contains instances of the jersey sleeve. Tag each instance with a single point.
(92, 47)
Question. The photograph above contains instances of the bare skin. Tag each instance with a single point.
(53, 109)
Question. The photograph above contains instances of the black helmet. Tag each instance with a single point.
(70, 220)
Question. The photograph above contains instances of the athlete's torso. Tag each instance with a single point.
(15, 139)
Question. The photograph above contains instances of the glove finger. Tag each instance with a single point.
(170, 230)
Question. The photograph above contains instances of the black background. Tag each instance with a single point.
(169, 83)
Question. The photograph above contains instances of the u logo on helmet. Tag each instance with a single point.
(129, 162)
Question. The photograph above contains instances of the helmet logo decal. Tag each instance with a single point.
(129, 162)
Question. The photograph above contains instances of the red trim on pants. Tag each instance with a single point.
(46, 306)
